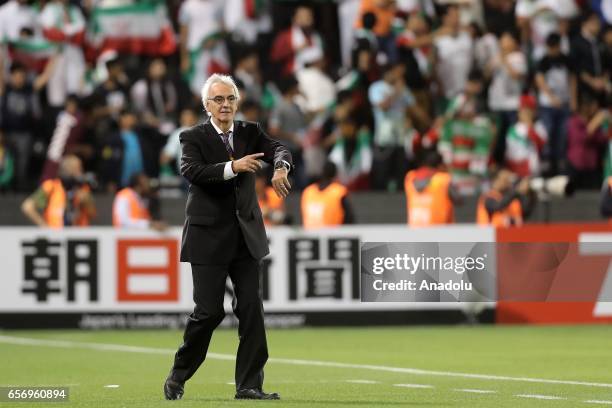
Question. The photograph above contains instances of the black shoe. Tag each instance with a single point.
(173, 390)
(254, 393)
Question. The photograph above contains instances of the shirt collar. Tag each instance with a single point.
(219, 131)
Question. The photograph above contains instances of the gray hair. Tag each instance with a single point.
(216, 79)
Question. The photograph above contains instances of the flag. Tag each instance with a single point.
(211, 58)
(138, 28)
(33, 53)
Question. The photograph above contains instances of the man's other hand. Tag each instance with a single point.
(280, 183)
(248, 163)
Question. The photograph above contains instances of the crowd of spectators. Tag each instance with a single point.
(522, 84)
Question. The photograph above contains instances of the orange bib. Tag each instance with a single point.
(431, 206)
(323, 208)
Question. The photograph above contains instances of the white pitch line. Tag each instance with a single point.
(111, 386)
(25, 341)
(542, 397)
(601, 402)
(475, 391)
(413, 385)
(363, 381)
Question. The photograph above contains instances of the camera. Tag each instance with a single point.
(557, 186)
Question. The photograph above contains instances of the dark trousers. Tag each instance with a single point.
(208, 290)
(389, 167)
(505, 119)
(554, 120)
(21, 144)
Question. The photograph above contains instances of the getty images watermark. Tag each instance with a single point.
(486, 271)
(427, 272)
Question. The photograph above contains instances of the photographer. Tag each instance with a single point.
(62, 201)
(132, 205)
(507, 203)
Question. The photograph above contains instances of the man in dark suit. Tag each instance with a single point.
(224, 234)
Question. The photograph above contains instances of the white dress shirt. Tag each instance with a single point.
(228, 173)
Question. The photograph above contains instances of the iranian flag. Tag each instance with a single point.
(210, 58)
(33, 53)
(138, 28)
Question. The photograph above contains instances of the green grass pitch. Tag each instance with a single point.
(480, 366)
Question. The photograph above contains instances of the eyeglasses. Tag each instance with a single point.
(219, 100)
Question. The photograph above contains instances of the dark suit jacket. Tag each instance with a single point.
(215, 205)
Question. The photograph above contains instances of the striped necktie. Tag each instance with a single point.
(225, 137)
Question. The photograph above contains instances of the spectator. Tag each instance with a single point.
(525, 140)
(391, 100)
(364, 68)
(485, 48)
(63, 201)
(19, 110)
(315, 85)
(352, 155)
(365, 33)
(110, 160)
(326, 203)
(384, 12)
(249, 111)
(15, 15)
(453, 56)
(556, 85)
(154, 98)
(132, 151)
(466, 138)
(203, 49)
(111, 96)
(588, 59)
(64, 24)
(67, 137)
(172, 149)
(499, 16)
(290, 45)
(272, 206)
(248, 72)
(345, 108)
(586, 143)
(7, 166)
(289, 125)
(507, 71)
(247, 21)
(430, 196)
(130, 207)
(501, 206)
(537, 19)
(416, 52)
(356, 82)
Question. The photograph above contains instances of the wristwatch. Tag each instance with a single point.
(281, 164)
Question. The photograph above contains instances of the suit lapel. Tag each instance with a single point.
(240, 141)
(214, 141)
